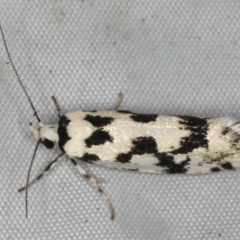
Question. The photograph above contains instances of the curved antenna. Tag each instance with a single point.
(16, 73)
(28, 176)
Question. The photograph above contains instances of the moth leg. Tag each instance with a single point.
(57, 106)
(118, 103)
(46, 170)
(94, 182)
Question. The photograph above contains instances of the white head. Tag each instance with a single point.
(46, 134)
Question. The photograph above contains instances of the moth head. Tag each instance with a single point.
(46, 134)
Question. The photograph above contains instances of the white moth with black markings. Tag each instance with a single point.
(138, 142)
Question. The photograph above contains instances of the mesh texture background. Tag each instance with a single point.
(176, 57)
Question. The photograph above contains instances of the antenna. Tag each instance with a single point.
(28, 177)
(18, 78)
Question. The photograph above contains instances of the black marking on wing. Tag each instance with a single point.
(90, 158)
(226, 130)
(227, 165)
(98, 121)
(148, 145)
(217, 158)
(144, 145)
(215, 169)
(144, 118)
(193, 121)
(141, 145)
(62, 132)
(235, 140)
(98, 137)
(234, 136)
(198, 136)
(167, 162)
(124, 111)
(124, 157)
(93, 111)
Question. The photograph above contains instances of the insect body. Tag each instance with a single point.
(144, 143)
(150, 143)
(138, 142)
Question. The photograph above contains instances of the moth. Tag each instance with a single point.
(147, 143)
